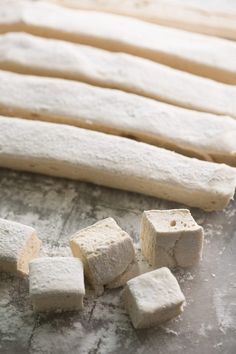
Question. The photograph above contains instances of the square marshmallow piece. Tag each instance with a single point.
(153, 298)
(56, 283)
(18, 245)
(171, 238)
(105, 249)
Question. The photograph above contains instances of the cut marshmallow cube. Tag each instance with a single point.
(106, 251)
(18, 245)
(56, 283)
(153, 298)
(171, 238)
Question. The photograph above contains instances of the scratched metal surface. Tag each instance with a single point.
(57, 208)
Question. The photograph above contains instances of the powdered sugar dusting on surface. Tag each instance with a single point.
(225, 310)
(57, 208)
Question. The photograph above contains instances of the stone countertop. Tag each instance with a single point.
(57, 208)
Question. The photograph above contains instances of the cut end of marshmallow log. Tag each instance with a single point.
(106, 251)
(19, 244)
(153, 298)
(171, 238)
(56, 283)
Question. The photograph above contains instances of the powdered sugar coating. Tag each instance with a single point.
(113, 161)
(27, 54)
(15, 245)
(171, 238)
(56, 283)
(105, 249)
(196, 134)
(198, 54)
(153, 297)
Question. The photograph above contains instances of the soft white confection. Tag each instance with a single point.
(153, 298)
(199, 54)
(19, 244)
(56, 283)
(113, 161)
(202, 135)
(171, 238)
(193, 16)
(27, 54)
(106, 251)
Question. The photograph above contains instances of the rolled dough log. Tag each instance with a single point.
(27, 54)
(195, 53)
(202, 135)
(112, 161)
(187, 16)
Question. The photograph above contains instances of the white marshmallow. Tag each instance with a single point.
(106, 251)
(18, 245)
(56, 283)
(153, 298)
(171, 238)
